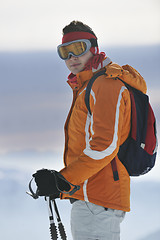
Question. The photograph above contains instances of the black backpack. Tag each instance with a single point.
(138, 152)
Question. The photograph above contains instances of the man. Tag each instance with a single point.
(92, 140)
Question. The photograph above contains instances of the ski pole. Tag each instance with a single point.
(50, 200)
(53, 228)
(60, 225)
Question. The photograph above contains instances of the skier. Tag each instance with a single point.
(92, 140)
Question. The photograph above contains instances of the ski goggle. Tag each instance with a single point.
(74, 48)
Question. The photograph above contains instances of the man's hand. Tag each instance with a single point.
(50, 183)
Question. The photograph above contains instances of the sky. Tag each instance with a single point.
(37, 24)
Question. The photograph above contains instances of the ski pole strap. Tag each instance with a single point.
(114, 169)
(58, 175)
(33, 194)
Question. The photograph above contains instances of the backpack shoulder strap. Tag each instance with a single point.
(89, 87)
(87, 102)
(126, 84)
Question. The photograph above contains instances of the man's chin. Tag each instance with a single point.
(75, 71)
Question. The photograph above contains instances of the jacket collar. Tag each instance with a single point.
(84, 76)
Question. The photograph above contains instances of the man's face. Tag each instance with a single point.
(77, 64)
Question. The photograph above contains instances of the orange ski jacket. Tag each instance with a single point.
(92, 141)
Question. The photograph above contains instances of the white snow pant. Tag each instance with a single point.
(93, 222)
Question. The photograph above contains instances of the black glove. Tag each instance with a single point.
(50, 183)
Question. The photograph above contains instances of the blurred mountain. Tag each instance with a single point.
(35, 98)
(43, 70)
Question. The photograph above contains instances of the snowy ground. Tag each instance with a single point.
(25, 218)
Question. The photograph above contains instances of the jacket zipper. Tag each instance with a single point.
(66, 125)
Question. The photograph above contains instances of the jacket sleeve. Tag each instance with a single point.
(103, 130)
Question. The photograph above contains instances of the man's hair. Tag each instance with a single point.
(77, 26)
